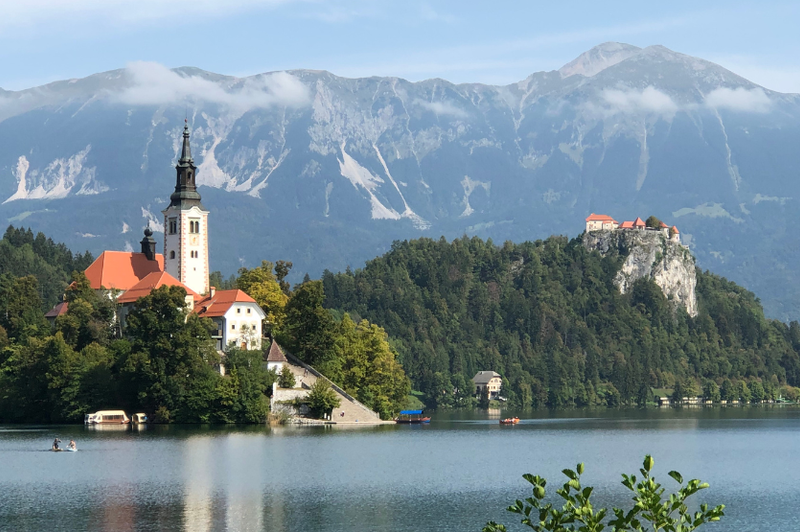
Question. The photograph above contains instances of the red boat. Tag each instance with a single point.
(412, 416)
(509, 421)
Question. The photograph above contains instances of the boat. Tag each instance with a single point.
(139, 419)
(509, 421)
(412, 416)
(107, 417)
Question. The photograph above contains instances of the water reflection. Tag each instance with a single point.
(244, 473)
(197, 467)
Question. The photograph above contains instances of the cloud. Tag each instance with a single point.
(649, 100)
(442, 108)
(739, 99)
(155, 84)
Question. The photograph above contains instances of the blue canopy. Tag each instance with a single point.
(411, 412)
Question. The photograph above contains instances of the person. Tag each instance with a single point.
(72, 446)
(55, 444)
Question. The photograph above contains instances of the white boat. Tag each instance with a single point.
(107, 417)
(139, 419)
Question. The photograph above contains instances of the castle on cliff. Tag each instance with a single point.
(603, 222)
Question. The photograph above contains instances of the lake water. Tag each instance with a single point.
(453, 475)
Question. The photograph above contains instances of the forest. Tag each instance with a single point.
(547, 317)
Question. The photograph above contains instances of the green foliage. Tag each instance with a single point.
(24, 254)
(653, 222)
(286, 378)
(547, 316)
(170, 366)
(322, 399)
(651, 510)
(263, 286)
(308, 330)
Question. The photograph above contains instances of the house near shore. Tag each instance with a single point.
(490, 381)
(603, 222)
(127, 276)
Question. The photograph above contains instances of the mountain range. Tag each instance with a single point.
(326, 171)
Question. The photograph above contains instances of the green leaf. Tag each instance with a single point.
(648, 463)
(677, 476)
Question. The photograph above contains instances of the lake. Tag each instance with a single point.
(453, 475)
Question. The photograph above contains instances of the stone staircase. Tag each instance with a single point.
(349, 410)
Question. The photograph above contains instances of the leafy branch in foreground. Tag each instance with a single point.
(651, 511)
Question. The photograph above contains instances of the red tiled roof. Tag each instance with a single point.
(58, 310)
(675, 229)
(151, 282)
(275, 353)
(638, 223)
(218, 304)
(663, 225)
(626, 225)
(600, 218)
(121, 270)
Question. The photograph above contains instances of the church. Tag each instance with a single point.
(128, 276)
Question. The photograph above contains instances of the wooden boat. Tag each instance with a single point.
(509, 421)
(412, 416)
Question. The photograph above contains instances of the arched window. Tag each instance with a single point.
(172, 254)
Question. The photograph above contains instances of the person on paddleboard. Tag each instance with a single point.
(55, 444)
(72, 446)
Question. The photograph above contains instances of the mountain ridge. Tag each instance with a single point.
(327, 171)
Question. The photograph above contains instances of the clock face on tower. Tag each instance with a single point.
(194, 240)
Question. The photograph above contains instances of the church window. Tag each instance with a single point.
(233, 326)
(173, 226)
(172, 254)
(238, 311)
(248, 311)
(194, 227)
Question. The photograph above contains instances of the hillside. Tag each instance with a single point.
(548, 316)
(326, 171)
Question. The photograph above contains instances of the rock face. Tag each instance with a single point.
(652, 254)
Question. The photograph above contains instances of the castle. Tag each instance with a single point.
(127, 276)
(602, 222)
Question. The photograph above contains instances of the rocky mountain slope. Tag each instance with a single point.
(327, 171)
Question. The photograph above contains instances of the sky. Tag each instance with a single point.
(497, 42)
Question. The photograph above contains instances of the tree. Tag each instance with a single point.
(653, 222)
(322, 399)
(169, 367)
(241, 396)
(308, 330)
(757, 393)
(262, 285)
(286, 378)
(650, 510)
(711, 391)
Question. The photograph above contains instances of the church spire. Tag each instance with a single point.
(185, 194)
(186, 153)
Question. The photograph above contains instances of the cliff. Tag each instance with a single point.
(650, 254)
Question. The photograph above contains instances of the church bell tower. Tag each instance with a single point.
(186, 226)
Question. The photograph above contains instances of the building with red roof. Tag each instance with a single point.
(239, 319)
(600, 222)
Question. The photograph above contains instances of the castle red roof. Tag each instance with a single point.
(639, 223)
(626, 225)
(218, 304)
(662, 225)
(600, 218)
(121, 270)
(675, 230)
(149, 283)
